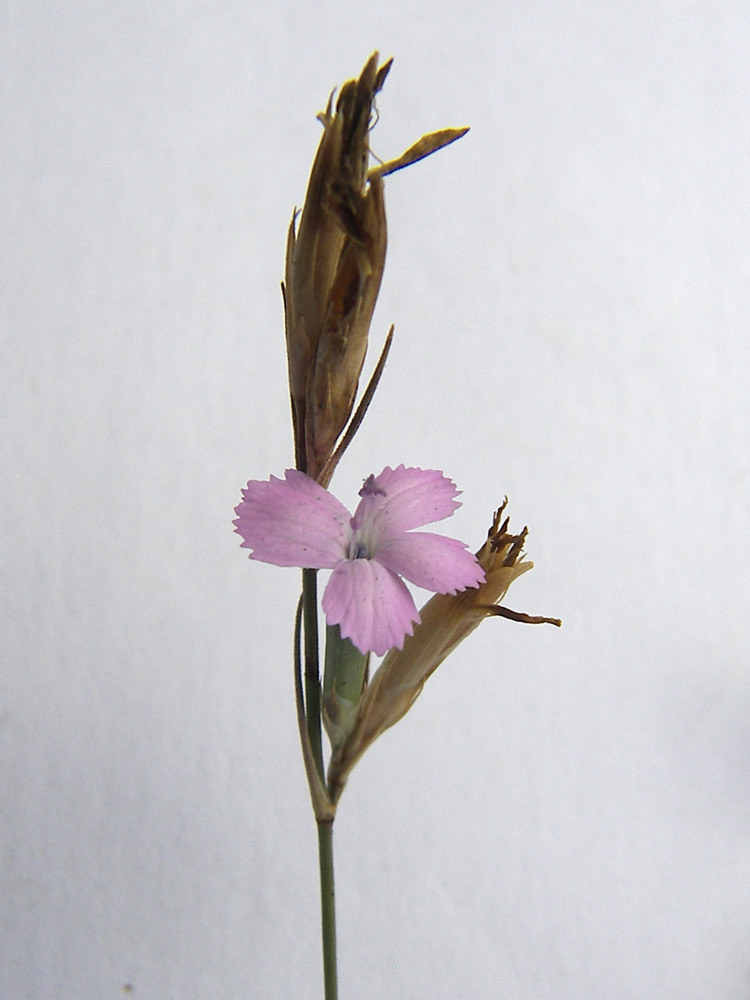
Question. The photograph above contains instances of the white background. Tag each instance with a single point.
(565, 814)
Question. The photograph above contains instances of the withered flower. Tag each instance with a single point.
(334, 265)
(445, 622)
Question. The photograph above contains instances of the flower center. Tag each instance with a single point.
(357, 549)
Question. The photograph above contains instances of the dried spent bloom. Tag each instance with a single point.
(333, 270)
(334, 266)
(445, 622)
(295, 522)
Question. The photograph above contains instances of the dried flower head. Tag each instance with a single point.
(446, 620)
(333, 270)
(334, 265)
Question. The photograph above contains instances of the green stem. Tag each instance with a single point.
(325, 827)
(312, 669)
(327, 908)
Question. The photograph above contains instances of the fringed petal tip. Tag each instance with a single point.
(292, 522)
(432, 561)
(410, 497)
(371, 606)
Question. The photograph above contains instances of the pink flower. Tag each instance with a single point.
(295, 522)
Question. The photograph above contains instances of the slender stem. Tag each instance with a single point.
(327, 908)
(325, 826)
(312, 670)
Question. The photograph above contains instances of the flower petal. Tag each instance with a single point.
(403, 498)
(371, 605)
(431, 561)
(292, 522)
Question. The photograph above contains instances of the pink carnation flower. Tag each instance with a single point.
(295, 522)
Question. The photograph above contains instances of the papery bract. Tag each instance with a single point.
(295, 522)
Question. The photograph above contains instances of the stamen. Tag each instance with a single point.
(369, 489)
